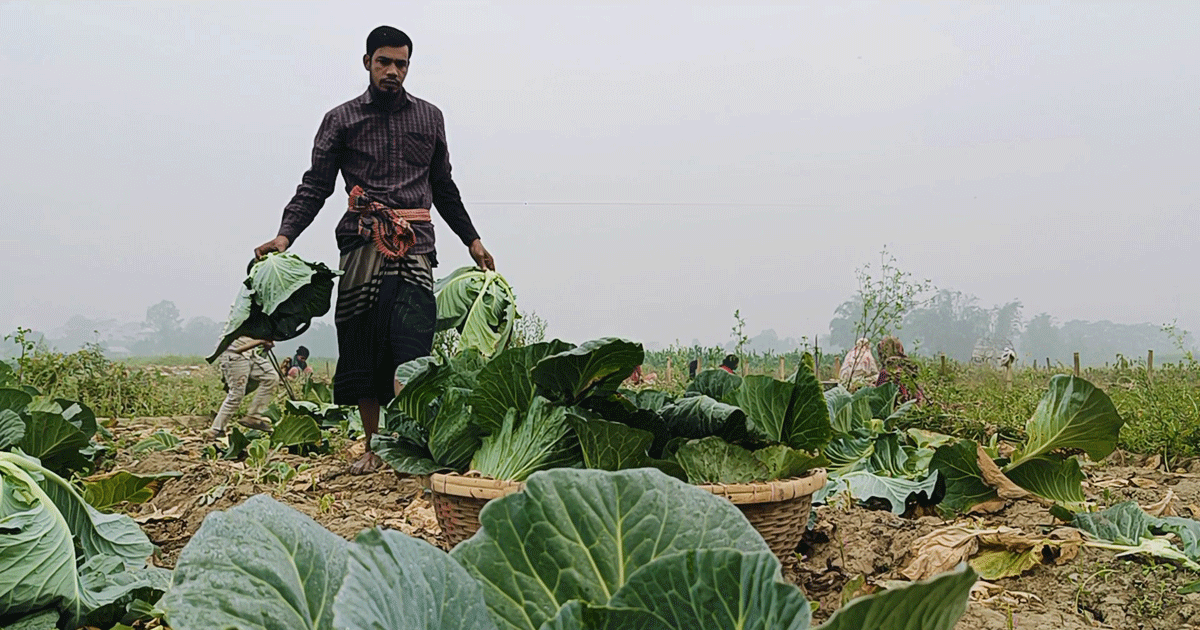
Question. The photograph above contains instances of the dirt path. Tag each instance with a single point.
(851, 551)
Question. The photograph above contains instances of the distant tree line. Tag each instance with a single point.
(955, 324)
(165, 332)
(950, 322)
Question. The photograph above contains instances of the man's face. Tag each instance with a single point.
(388, 67)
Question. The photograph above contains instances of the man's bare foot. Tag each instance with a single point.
(366, 464)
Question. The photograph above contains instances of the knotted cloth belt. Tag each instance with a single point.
(388, 227)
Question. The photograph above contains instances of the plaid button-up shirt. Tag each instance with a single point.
(397, 152)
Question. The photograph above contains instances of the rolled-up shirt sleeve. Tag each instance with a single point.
(446, 197)
(318, 182)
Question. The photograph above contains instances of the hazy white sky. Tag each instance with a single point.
(1041, 151)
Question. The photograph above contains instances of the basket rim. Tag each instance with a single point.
(474, 486)
(770, 491)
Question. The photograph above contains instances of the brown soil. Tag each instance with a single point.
(323, 489)
(851, 551)
(1094, 590)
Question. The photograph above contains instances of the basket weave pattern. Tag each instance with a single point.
(778, 510)
(457, 500)
(781, 524)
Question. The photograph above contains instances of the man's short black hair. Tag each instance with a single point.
(387, 36)
(731, 361)
(301, 351)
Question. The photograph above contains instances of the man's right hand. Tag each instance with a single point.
(278, 244)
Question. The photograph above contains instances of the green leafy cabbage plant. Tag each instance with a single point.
(1072, 416)
(554, 404)
(59, 553)
(577, 549)
(278, 299)
(57, 432)
(506, 418)
(480, 305)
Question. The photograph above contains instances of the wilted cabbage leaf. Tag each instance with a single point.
(109, 490)
(958, 464)
(865, 486)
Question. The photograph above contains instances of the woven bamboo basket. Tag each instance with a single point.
(457, 500)
(779, 510)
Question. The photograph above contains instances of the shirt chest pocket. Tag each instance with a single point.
(417, 148)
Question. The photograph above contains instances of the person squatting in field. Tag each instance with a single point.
(298, 364)
(896, 367)
(730, 363)
(859, 367)
(390, 148)
(240, 363)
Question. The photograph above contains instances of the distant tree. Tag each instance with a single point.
(164, 327)
(77, 331)
(163, 318)
(950, 323)
(1101, 342)
(1006, 323)
(1041, 339)
(198, 336)
(841, 327)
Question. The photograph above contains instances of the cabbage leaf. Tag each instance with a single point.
(480, 305)
(278, 299)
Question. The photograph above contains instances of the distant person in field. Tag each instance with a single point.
(896, 367)
(640, 378)
(1008, 357)
(693, 365)
(299, 363)
(390, 149)
(730, 363)
(859, 367)
(240, 363)
(636, 377)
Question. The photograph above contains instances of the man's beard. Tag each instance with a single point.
(387, 97)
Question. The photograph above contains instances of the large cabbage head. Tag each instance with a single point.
(480, 305)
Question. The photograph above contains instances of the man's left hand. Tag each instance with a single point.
(480, 254)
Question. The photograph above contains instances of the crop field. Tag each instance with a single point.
(1071, 499)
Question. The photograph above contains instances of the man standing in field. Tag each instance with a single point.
(390, 148)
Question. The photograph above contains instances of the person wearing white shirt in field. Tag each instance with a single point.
(240, 363)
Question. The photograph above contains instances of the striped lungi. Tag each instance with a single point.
(385, 316)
